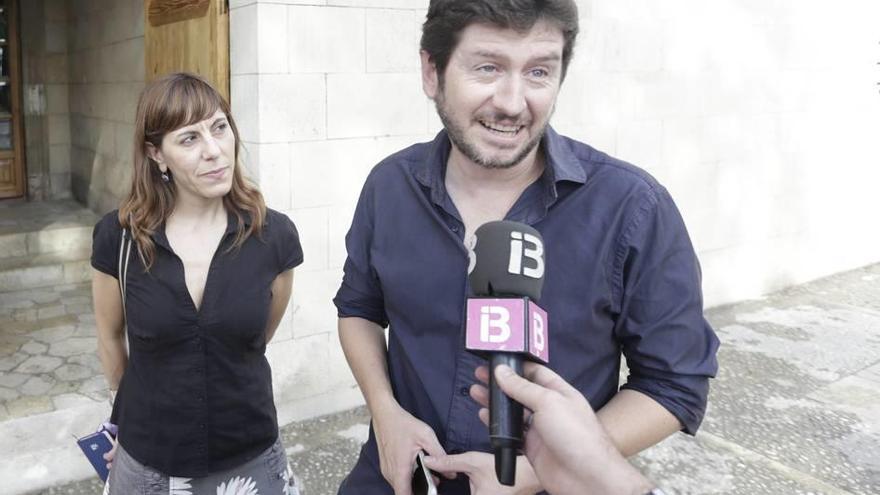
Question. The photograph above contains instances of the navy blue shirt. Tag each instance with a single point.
(196, 395)
(621, 277)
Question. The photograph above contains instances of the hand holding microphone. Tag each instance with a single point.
(565, 444)
(505, 325)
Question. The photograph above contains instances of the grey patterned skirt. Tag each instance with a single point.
(267, 474)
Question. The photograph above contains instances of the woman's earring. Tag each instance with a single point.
(165, 177)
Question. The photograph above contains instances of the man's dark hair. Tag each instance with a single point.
(446, 20)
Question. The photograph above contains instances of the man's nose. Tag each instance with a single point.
(510, 96)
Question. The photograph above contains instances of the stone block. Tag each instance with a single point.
(73, 346)
(59, 158)
(36, 365)
(633, 46)
(72, 372)
(55, 10)
(71, 400)
(272, 33)
(50, 312)
(59, 129)
(57, 101)
(312, 309)
(28, 406)
(326, 40)
(9, 362)
(312, 223)
(8, 394)
(340, 221)
(12, 245)
(124, 143)
(284, 117)
(34, 348)
(243, 46)
(641, 143)
(56, 37)
(392, 40)
(395, 105)
(59, 186)
(37, 276)
(56, 68)
(274, 171)
(245, 96)
(325, 173)
(60, 240)
(12, 380)
(299, 367)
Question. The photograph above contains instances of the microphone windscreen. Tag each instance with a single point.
(509, 260)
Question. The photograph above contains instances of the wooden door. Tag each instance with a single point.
(190, 36)
(12, 167)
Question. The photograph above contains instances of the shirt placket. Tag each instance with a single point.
(463, 409)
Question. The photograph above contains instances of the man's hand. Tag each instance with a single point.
(400, 437)
(480, 470)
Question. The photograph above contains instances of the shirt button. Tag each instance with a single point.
(203, 426)
(464, 391)
(454, 228)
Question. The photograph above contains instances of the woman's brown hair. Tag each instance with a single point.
(167, 104)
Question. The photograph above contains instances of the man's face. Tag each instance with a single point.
(498, 92)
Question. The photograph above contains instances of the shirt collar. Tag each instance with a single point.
(161, 239)
(560, 165)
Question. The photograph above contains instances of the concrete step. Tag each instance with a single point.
(44, 270)
(41, 451)
(29, 229)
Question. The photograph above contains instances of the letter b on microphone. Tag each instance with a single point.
(507, 325)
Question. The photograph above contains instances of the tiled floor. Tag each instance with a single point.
(47, 351)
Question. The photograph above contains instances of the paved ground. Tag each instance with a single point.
(47, 351)
(794, 410)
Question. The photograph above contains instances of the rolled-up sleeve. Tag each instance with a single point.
(360, 294)
(669, 346)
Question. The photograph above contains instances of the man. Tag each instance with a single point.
(620, 273)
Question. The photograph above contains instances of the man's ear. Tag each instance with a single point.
(430, 78)
(155, 154)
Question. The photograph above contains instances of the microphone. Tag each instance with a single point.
(505, 325)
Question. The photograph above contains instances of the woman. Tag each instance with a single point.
(206, 284)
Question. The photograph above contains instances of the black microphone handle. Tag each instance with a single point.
(505, 419)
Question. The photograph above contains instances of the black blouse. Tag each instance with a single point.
(196, 395)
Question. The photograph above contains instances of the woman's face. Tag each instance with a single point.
(200, 158)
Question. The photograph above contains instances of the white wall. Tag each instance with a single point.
(321, 93)
(761, 117)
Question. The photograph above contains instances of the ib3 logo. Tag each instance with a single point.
(494, 324)
(527, 246)
(496, 327)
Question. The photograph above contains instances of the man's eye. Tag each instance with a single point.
(539, 73)
(487, 69)
(188, 140)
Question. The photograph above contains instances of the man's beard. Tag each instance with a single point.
(468, 149)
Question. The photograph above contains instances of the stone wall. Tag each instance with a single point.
(320, 94)
(44, 94)
(106, 75)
